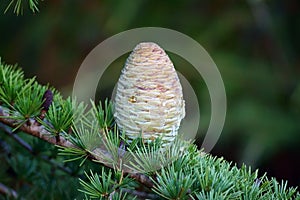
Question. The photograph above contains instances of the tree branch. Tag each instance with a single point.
(35, 129)
(141, 194)
(145, 180)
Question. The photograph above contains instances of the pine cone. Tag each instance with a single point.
(149, 101)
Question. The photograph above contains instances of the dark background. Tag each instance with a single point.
(255, 45)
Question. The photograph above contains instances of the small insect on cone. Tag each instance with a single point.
(149, 101)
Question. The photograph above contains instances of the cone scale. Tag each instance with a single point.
(149, 101)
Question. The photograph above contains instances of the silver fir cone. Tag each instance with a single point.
(149, 101)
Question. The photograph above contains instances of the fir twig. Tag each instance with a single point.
(41, 133)
(143, 179)
(141, 194)
(34, 130)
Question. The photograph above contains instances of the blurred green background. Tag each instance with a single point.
(254, 43)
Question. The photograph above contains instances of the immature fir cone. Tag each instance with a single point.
(149, 100)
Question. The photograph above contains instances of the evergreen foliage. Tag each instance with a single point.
(122, 170)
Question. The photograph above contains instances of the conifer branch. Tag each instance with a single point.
(33, 128)
(36, 130)
(145, 180)
(141, 178)
(141, 194)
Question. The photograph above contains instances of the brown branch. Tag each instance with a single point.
(141, 194)
(8, 191)
(35, 129)
(145, 180)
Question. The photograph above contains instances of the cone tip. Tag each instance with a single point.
(147, 45)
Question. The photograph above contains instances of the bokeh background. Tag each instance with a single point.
(254, 43)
